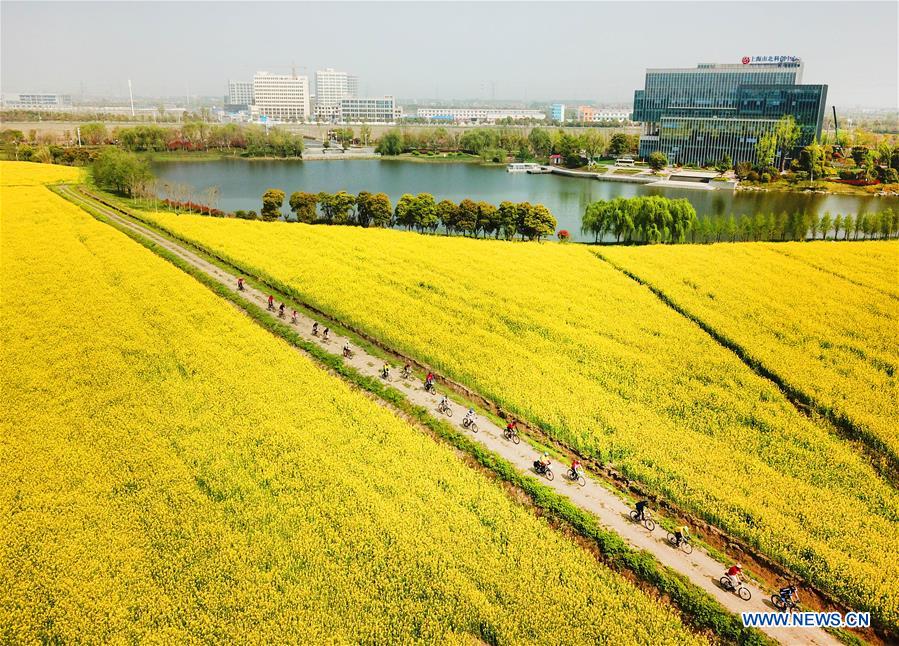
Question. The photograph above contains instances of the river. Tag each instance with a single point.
(241, 184)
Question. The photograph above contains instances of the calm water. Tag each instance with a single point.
(242, 183)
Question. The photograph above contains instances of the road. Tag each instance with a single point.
(610, 510)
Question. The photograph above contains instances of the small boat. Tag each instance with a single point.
(521, 167)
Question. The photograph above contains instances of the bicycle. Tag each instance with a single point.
(784, 604)
(575, 476)
(429, 387)
(512, 435)
(406, 373)
(683, 545)
(444, 408)
(646, 521)
(543, 470)
(741, 590)
(470, 424)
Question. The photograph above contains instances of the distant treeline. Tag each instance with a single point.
(414, 212)
(659, 219)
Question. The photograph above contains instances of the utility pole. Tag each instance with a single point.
(131, 95)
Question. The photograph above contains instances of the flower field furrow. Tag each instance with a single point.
(841, 350)
(555, 335)
(173, 473)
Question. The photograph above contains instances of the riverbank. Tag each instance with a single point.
(821, 188)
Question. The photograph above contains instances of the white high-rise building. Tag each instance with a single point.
(380, 109)
(281, 97)
(240, 92)
(330, 88)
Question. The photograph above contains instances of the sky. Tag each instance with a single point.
(524, 51)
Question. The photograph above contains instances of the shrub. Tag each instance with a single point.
(564, 236)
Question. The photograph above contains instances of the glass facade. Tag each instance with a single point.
(696, 116)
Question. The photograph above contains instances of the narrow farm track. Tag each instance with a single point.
(612, 512)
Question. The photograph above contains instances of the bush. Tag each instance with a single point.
(765, 178)
(658, 161)
(752, 176)
(564, 236)
(120, 171)
(743, 169)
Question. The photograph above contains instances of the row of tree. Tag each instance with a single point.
(796, 226)
(420, 212)
(660, 219)
(496, 144)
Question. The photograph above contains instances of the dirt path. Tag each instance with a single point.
(611, 510)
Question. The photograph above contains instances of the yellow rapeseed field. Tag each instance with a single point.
(562, 338)
(171, 473)
(821, 316)
(33, 174)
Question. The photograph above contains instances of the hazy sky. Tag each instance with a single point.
(511, 50)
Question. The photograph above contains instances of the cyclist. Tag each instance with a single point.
(346, 349)
(444, 403)
(315, 328)
(641, 509)
(429, 381)
(385, 371)
(576, 468)
(407, 370)
(542, 463)
(293, 317)
(469, 415)
(326, 333)
(788, 594)
(680, 535)
(271, 302)
(735, 575)
(511, 427)
(281, 311)
(240, 284)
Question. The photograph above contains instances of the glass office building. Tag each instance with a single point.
(697, 116)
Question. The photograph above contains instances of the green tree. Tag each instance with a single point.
(467, 220)
(391, 143)
(837, 225)
(404, 214)
(93, 133)
(540, 142)
(424, 212)
(120, 171)
(272, 200)
(538, 223)
(620, 144)
(594, 143)
(824, 224)
(365, 134)
(658, 160)
(337, 208)
(379, 210)
(303, 206)
(488, 219)
(787, 132)
(848, 226)
(765, 149)
(448, 214)
(507, 215)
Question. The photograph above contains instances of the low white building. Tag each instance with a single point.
(281, 97)
(381, 109)
(478, 115)
(37, 101)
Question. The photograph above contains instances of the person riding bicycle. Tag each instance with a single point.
(293, 317)
(641, 509)
(576, 468)
(326, 333)
(511, 428)
(240, 284)
(281, 310)
(735, 575)
(385, 371)
(469, 415)
(271, 301)
(429, 380)
(788, 595)
(680, 535)
(543, 463)
(346, 349)
(444, 403)
(407, 370)
(315, 328)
